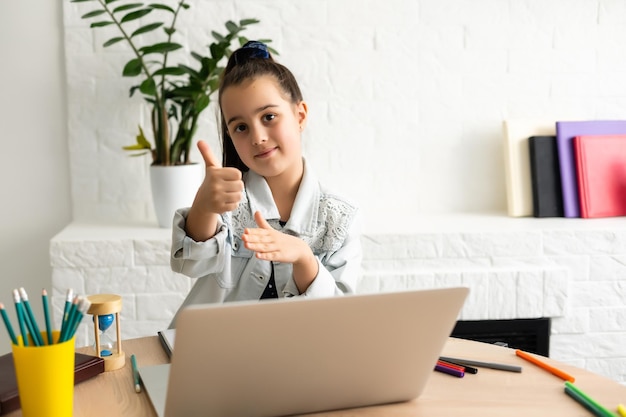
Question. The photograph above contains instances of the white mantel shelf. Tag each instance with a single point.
(572, 270)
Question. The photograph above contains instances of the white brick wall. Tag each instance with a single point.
(417, 89)
(571, 270)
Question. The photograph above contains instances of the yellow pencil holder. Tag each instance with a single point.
(45, 377)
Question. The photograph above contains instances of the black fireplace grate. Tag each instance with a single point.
(530, 335)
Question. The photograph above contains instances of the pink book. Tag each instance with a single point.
(565, 133)
(601, 173)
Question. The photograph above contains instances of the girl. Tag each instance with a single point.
(261, 226)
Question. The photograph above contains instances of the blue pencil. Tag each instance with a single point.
(46, 313)
(20, 317)
(5, 317)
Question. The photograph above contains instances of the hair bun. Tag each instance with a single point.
(252, 49)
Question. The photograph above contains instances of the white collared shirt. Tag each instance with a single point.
(227, 271)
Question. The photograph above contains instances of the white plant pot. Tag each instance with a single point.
(173, 187)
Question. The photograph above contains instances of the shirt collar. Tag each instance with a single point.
(305, 208)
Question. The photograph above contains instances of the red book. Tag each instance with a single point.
(601, 175)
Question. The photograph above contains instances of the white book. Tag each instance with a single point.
(517, 162)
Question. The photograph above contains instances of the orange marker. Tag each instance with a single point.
(561, 374)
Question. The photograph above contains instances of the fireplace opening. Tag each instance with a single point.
(530, 335)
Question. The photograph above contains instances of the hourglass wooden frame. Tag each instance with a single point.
(104, 304)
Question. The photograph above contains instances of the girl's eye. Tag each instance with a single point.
(239, 128)
(269, 117)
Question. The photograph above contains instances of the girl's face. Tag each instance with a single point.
(265, 126)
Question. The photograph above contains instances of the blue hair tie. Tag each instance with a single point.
(252, 49)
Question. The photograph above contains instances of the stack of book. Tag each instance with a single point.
(565, 168)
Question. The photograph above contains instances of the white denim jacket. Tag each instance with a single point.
(227, 271)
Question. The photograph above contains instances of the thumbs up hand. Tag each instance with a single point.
(221, 189)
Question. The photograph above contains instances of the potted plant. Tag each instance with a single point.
(177, 93)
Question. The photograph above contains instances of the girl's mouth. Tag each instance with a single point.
(266, 153)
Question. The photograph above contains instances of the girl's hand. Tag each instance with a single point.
(219, 192)
(221, 189)
(272, 245)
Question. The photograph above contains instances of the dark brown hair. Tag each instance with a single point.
(250, 62)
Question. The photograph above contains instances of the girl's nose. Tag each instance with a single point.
(258, 135)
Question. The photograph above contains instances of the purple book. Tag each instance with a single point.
(565, 133)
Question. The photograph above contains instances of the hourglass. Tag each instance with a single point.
(105, 309)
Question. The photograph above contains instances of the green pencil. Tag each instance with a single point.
(5, 317)
(20, 317)
(34, 329)
(65, 326)
(46, 313)
(590, 404)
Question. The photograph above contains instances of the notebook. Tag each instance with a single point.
(601, 174)
(295, 356)
(545, 177)
(565, 133)
(517, 163)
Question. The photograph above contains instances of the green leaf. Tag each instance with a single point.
(202, 103)
(214, 84)
(127, 7)
(109, 1)
(93, 13)
(146, 28)
(160, 48)
(185, 6)
(232, 27)
(218, 37)
(132, 68)
(162, 7)
(141, 139)
(246, 22)
(79, 1)
(242, 40)
(217, 52)
(169, 71)
(113, 41)
(197, 56)
(101, 24)
(169, 31)
(138, 14)
(135, 147)
(148, 87)
(132, 90)
(188, 70)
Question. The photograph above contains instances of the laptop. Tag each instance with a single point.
(295, 356)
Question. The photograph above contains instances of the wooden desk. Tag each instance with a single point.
(534, 392)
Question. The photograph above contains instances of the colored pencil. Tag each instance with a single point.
(451, 365)
(449, 370)
(65, 326)
(480, 364)
(83, 306)
(69, 297)
(586, 401)
(468, 369)
(31, 318)
(20, 317)
(133, 361)
(46, 313)
(543, 365)
(7, 323)
(621, 410)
